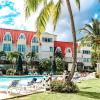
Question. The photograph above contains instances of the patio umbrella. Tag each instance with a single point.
(19, 68)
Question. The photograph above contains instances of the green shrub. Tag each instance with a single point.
(3, 70)
(10, 71)
(59, 86)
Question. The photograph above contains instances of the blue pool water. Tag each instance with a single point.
(6, 80)
(10, 78)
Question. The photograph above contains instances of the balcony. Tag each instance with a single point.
(70, 59)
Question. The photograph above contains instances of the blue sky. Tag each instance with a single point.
(12, 16)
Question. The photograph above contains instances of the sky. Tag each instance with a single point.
(12, 17)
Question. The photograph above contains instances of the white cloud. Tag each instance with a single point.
(5, 11)
(64, 36)
(63, 26)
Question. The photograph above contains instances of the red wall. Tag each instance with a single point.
(15, 34)
(63, 46)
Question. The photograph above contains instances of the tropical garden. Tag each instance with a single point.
(14, 63)
(53, 10)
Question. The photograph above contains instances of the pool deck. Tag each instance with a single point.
(5, 96)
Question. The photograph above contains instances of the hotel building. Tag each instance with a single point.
(26, 41)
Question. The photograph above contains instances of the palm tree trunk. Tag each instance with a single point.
(70, 76)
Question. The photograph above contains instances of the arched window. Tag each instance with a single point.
(22, 36)
(7, 42)
(68, 50)
(21, 46)
(35, 40)
(7, 37)
(58, 49)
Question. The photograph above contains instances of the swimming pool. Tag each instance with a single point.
(6, 80)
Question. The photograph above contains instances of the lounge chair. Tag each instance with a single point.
(30, 86)
(32, 81)
(13, 87)
(34, 85)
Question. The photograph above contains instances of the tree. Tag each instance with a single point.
(59, 64)
(45, 64)
(52, 10)
(19, 67)
(58, 53)
(31, 56)
(93, 38)
(12, 57)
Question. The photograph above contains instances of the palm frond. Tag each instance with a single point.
(85, 40)
(89, 27)
(56, 11)
(31, 6)
(85, 30)
(45, 2)
(78, 4)
(43, 18)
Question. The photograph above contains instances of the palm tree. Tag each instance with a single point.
(31, 56)
(52, 10)
(92, 37)
(13, 56)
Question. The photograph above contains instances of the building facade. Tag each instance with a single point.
(83, 54)
(27, 41)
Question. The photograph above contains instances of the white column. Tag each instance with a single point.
(98, 68)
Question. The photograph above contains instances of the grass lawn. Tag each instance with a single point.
(89, 90)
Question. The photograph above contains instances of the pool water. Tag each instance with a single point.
(6, 80)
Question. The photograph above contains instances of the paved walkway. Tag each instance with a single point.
(4, 95)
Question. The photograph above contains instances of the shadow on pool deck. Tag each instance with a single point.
(93, 95)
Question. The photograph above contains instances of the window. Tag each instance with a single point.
(51, 49)
(22, 36)
(86, 60)
(86, 52)
(21, 48)
(35, 49)
(7, 37)
(58, 49)
(35, 39)
(68, 50)
(49, 39)
(46, 39)
(6, 47)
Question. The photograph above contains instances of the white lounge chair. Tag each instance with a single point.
(13, 87)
